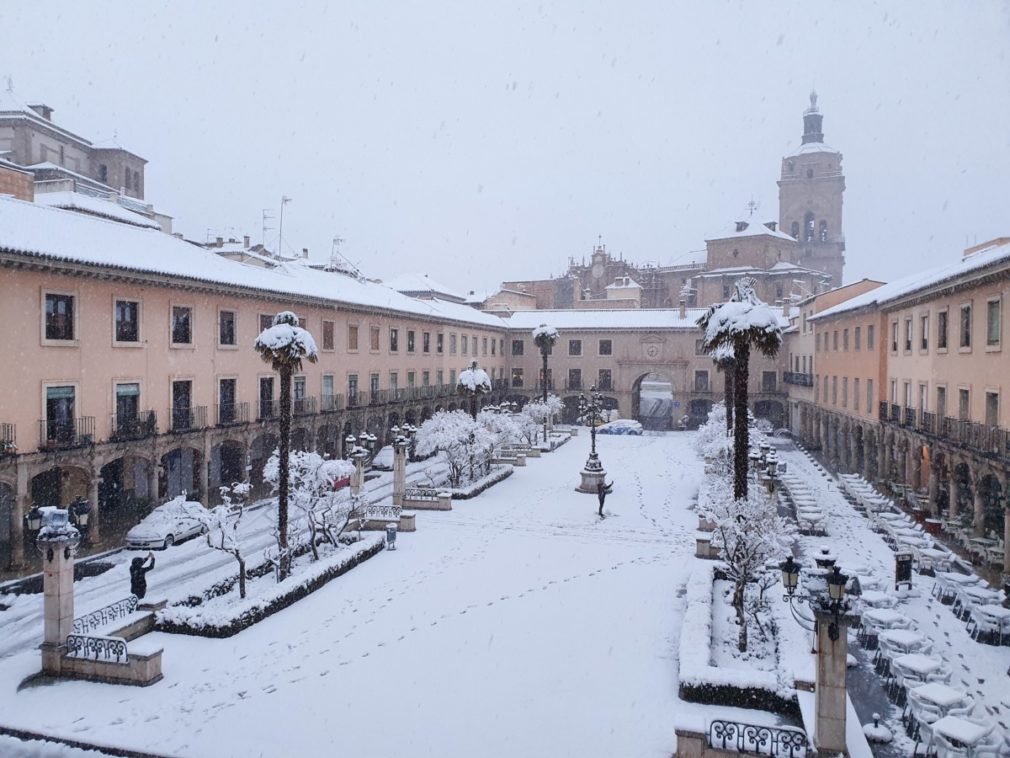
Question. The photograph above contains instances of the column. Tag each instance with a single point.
(830, 694)
(903, 462)
(916, 452)
(952, 493)
(934, 488)
(22, 504)
(358, 477)
(152, 481)
(58, 550)
(205, 472)
(978, 527)
(399, 470)
(94, 520)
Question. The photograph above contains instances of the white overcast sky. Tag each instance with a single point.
(485, 141)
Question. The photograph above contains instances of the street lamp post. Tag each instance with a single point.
(593, 474)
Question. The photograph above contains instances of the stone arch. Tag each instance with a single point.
(227, 466)
(425, 413)
(180, 472)
(301, 439)
(658, 409)
(328, 440)
(410, 416)
(260, 450)
(961, 489)
(127, 483)
(59, 485)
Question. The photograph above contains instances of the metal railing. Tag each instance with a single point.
(353, 399)
(66, 434)
(267, 409)
(134, 426)
(798, 378)
(8, 439)
(232, 413)
(992, 441)
(112, 612)
(107, 649)
(187, 419)
(777, 741)
(304, 406)
(331, 403)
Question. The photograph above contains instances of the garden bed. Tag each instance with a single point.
(710, 672)
(478, 486)
(220, 612)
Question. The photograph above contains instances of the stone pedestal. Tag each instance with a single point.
(57, 541)
(399, 470)
(830, 695)
(592, 475)
(358, 477)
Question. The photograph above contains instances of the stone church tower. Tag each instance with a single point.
(810, 198)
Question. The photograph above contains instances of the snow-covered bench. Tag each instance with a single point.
(427, 499)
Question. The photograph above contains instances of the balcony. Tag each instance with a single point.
(573, 384)
(66, 434)
(331, 403)
(187, 419)
(229, 414)
(353, 400)
(133, 426)
(797, 378)
(267, 409)
(304, 406)
(8, 440)
(990, 441)
(378, 397)
(607, 386)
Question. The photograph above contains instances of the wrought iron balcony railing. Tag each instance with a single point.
(232, 413)
(304, 406)
(133, 426)
(777, 741)
(331, 403)
(267, 409)
(8, 439)
(798, 378)
(187, 419)
(65, 434)
(990, 441)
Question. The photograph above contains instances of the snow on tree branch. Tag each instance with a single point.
(286, 343)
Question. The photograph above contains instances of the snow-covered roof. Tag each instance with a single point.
(751, 229)
(413, 282)
(781, 267)
(59, 235)
(815, 147)
(12, 107)
(632, 318)
(76, 201)
(996, 255)
(50, 166)
(623, 283)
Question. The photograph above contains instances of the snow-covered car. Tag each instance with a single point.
(383, 460)
(621, 426)
(164, 526)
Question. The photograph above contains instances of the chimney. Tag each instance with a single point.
(683, 309)
(772, 225)
(305, 252)
(785, 307)
(245, 241)
(220, 242)
(43, 110)
(741, 226)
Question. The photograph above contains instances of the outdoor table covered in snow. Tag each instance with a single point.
(885, 618)
(903, 640)
(994, 617)
(926, 667)
(943, 696)
(968, 598)
(947, 583)
(962, 731)
(932, 558)
(877, 599)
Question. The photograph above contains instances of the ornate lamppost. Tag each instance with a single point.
(590, 410)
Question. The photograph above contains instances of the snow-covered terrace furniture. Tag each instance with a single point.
(375, 517)
(427, 499)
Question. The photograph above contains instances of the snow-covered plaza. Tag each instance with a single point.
(516, 624)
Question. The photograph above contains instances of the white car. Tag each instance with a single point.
(383, 460)
(164, 526)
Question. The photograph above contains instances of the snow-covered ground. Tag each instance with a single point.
(516, 624)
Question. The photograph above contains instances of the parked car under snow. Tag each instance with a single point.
(383, 460)
(165, 525)
(621, 426)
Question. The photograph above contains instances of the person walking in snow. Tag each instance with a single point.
(138, 575)
(601, 492)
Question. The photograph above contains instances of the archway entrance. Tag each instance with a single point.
(180, 472)
(59, 486)
(652, 402)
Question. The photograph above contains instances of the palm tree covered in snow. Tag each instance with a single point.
(545, 338)
(284, 345)
(741, 323)
(725, 362)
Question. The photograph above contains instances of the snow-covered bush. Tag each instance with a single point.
(222, 525)
(467, 446)
(502, 427)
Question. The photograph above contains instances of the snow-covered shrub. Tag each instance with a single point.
(502, 427)
(222, 525)
(467, 445)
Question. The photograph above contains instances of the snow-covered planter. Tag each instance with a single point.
(476, 487)
(702, 682)
(224, 615)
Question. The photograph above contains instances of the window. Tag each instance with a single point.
(941, 330)
(941, 402)
(964, 404)
(869, 396)
(794, 230)
(699, 347)
(182, 404)
(493, 343)
(574, 378)
(817, 342)
(855, 394)
(894, 336)
(483, 345)
(127, 406)
(440, 343)
(373, 383)
(352, 337)
(394, 381)
(834, 340)
(845, 392)
(604, 379)
(993, 317)
(475, 344)
(266, 321)
(823, 231)
(924, 332)
(226, 328)
(725, 291)
(352, 388)
(894, 391)
(465, 345)
(991, 409)
(869, 336)
(373, 339)
(607, 347)
(226, 391)
(298, 388)
(411, 379)
(817, 388)
(302, 323)
(59, 316)
(425, 378)
(845, 340)
(127, 313)
(439, 378)
(327, 335)
(394, 340)
(452, 377)
(575, 347)
(266, 409)
(452, 344)
(182, 325)
(908, 334)
(517, 347)
(517, 377)
(769, 381)
(966, 326)
(426, 342)
(60, 414)
(501, 347)
(857, 335)
(834, 390)
(701, 381)
(923, 395)
(327, 390)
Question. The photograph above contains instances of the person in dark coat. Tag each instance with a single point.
(138, 575)
(601, 492)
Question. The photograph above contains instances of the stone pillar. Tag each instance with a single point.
(205, 472)
(952, 493)
(830, 694)
(152, 481)
(94, 519)
(358, 477)
(22, 504)
(978, 527)
(869, 451)
(934, 488)
(903, 463)
(57, 542)
(916, 453)
(400, 446)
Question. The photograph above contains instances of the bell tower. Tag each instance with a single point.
(810, 198)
